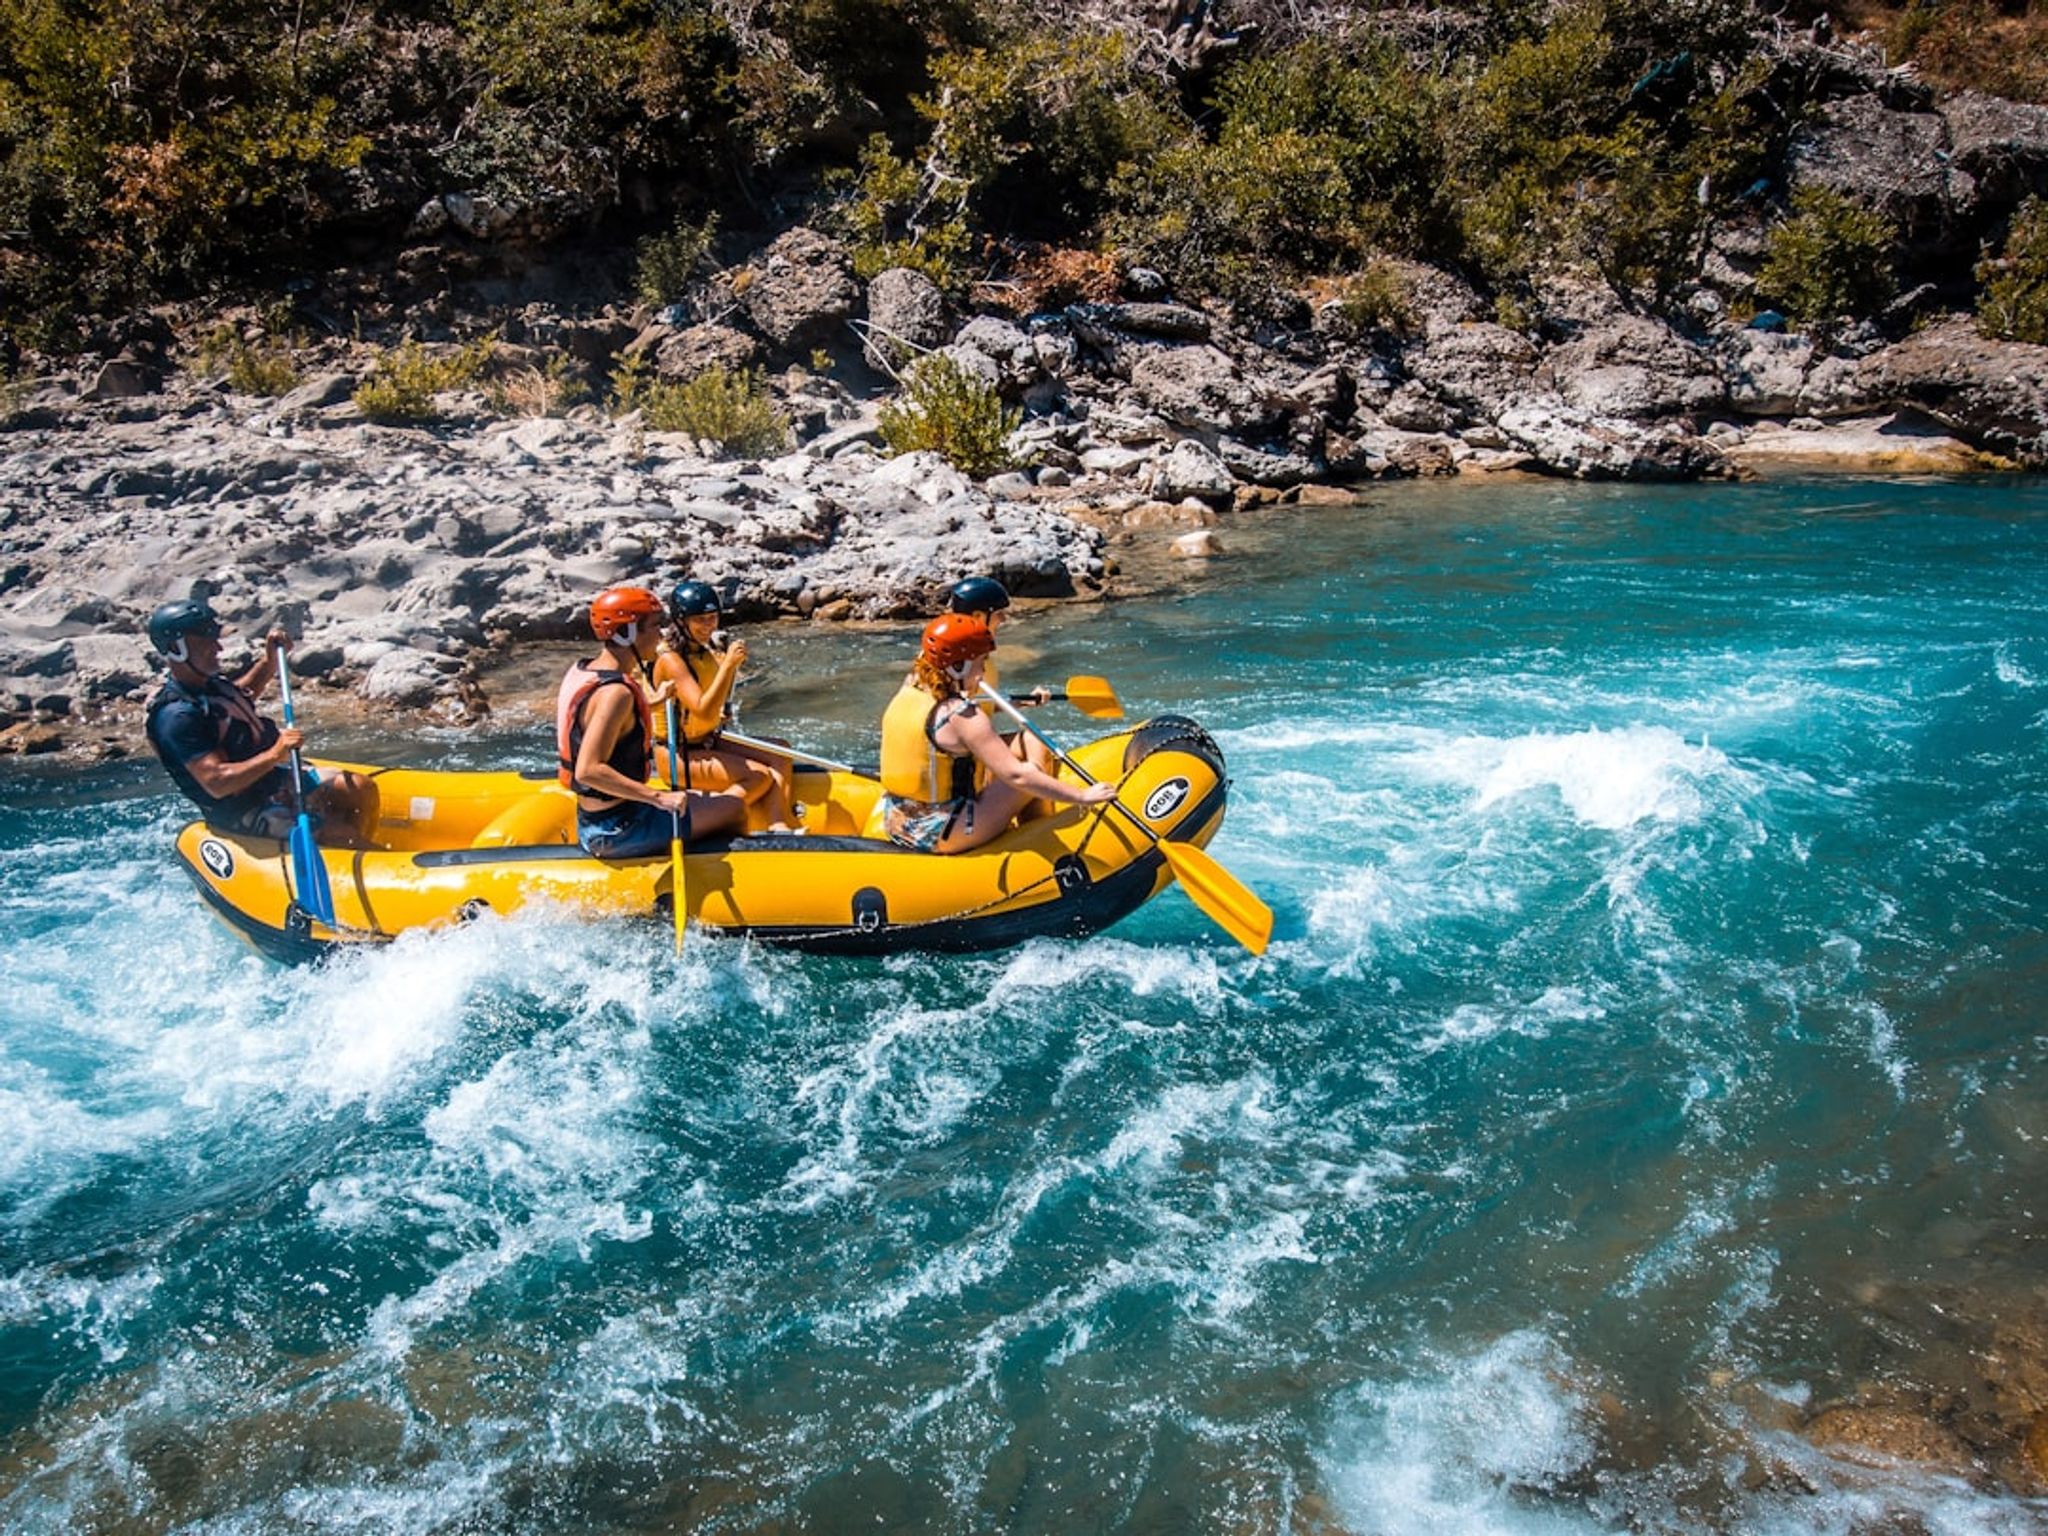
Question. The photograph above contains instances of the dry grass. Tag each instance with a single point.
(1996, 46)
(1043, 277)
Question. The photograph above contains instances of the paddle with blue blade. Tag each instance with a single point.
(1224, 899)
(309, 870)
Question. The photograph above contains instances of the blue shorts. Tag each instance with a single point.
(627, 831)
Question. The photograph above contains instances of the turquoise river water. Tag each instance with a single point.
(1650, 1060)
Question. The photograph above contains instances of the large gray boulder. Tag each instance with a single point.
(1775, 374)
(906, 316)
(2002, 145)
(1896, 163)
(1190, 469)
(686, 354)
(1991, 393)
(1568, 441)
(1475, 367)
(802, 291)
(1633, 367)
(994, 349)
(1201, 388)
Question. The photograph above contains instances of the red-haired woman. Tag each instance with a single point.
(950, 782)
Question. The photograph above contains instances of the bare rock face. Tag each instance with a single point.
(997, 351)
(1895, 162)
(1191, 470)
(1202, 388)
(1476, 368)
(1635, 368)
(802, 291)
(906, 315)
(1568, 441)
(1765, 371)
(2002, 145)
(1992, 393)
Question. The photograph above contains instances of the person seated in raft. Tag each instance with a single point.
(701, 670)
(229, 760)
(604, 737)
(949, 782)
(987, 599)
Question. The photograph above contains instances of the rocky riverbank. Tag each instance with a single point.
(405, 553)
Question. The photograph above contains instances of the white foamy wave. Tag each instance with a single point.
(1452, 1453)
(1231, 1277)
(1153, 1136)
(96, 1310)
(1475, 1023)
(1291, 739)
(2006, 666)
(1607, 779)
(915, 1076)
(53, 1142)
(1195, 978)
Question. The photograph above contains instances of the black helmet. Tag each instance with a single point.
(978, 594)
(692, 598)
(172, 622)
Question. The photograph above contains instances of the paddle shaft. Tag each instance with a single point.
(678, 748)
(315, 895)
(792, 753)
(1053, 747)
(284, 691)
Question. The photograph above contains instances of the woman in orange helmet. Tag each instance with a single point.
(950, 782)
(604, 736)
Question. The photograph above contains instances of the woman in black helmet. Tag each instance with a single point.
(703, 671)
(985, 598)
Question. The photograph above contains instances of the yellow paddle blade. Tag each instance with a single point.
(1093, 696)
(675, 859)
(1226, 900)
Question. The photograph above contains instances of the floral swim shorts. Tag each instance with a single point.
(921, 824)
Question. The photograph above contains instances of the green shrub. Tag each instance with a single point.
(1829, 259)
(2014, 304)
(1318, 155)
(631, 376)
(667, 264)
(950, 411)
(265, 369)
(404, 380)
(727, 411)
(901, 216)
(1378, 299)
(1369, 108)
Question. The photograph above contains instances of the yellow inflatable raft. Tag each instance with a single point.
(455, 845)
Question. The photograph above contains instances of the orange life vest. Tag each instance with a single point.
(632, 754)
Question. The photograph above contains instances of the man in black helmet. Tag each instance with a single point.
(228, 759)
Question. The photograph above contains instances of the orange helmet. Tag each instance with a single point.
(954, 639)
(617, 612)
